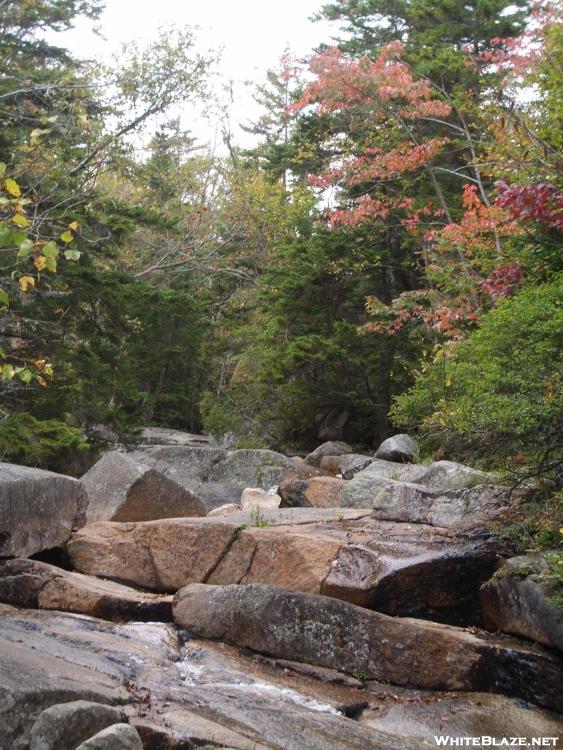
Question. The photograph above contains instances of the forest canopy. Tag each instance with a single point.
(387, 254)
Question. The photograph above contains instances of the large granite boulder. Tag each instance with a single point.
(318, 492)
(217, 477)
(64, 726)
(522, 598)
(330, 448)
(445, 475)
(400, 448)
(335, 634)
(258, 499)
(120, 488)
(30, 583)
(38, 510)
(401, 569)
(347, 464)
(414, 503)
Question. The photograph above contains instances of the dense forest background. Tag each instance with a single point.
(387, 257)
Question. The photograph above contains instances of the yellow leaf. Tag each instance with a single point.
(73, 225)
(40, 262)
(41, 381)
(20, 220)
(12, 187)
(48, 369)
(26, 282)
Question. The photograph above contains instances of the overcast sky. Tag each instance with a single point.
(252, 33)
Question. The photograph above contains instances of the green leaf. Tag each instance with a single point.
(7, 372)
(26, 375)
(72, 254)
(51, 250)
(5, 235)
(67, 237)
(4, 201)
(51, 264)
(25, 248)
(16, 238)
(4, 300)
(2, 169)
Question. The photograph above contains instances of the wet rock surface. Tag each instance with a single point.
(338, 635)
(38, 509)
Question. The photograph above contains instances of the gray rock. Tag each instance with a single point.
(30, 583)
(198, 695)
(65, 725)
(331, 633)
(330, 448)
(445, 475)
(414, 503)
(121, 488)
(166, 436)
(116, 737)
(521, 599)
(254, 497)
(400, 448)
(38, 510)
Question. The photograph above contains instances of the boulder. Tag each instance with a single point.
(120, 488)
(400, 448)
(318, 492)
(414, 503)
(335, 634)
(166, 436)
(65, 725)
(254, 497)
(401, 569)
(216, 477)
(224, 510)
(158, 555)
(116, 737)
(521, 599)
(30, 583)
(38, 510)
(331, 448)
(347, 464)
(445, 475)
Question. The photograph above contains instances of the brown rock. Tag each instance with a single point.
(335, 634)
(159, 555)
(318, 492)
(30, 583)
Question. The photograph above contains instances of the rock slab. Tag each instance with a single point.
(38, 510)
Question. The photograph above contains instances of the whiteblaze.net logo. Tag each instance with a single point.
(503, 742)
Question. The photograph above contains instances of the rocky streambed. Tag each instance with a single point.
(341, 601)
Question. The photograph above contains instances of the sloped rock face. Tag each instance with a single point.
(175, 696)
(397, 568)
(116, 737)
(399, 448)
(38, 510)
(121, 488)
(521, 600)
(445, 475)
(29, 583)
(334, 634)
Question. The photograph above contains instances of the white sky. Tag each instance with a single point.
(252, 33)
